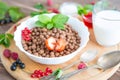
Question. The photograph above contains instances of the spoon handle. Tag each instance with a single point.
(69, 66)
(66, 76)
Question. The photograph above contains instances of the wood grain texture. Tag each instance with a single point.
(31, 65)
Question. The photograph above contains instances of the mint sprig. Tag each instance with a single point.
(13, 12)
(3, 10)
(5, 39)
(57, 21)
(84, 9)
(39, 7)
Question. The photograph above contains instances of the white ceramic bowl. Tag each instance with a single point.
(75, 24)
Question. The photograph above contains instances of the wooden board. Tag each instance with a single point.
(92, 74)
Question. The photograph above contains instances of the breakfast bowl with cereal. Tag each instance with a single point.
(51, 38)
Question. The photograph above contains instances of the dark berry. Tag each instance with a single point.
(15, 64)
(7, 53)
(10, 19)
(3, 21)
(18, 61)
(13, 68)
(7, 20)
(14, 55)
(22, 65)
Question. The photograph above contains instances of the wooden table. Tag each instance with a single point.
(3, 28)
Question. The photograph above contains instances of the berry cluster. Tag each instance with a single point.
(39, 73)
(6, 20)
(19, 63)
(8, 54)
(26, 34)
(82, 65)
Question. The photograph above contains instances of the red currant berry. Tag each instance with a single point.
(36, 72)
(50, 71)
(46, 73)
(33, 75)
(42, 74)
(38, 75)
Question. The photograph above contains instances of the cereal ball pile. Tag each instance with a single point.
(36, 45)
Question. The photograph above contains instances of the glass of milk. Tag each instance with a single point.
(106, 22)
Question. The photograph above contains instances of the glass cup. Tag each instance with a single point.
(106, 22)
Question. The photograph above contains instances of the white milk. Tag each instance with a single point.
(107, 27)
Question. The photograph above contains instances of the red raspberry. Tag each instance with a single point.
(14, 55)
(82, 65)
(7, 53)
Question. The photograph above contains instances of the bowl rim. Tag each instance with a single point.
(34, 56)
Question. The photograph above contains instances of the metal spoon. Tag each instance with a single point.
(105, 62)
(85, 57)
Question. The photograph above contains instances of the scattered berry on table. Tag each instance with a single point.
(18, 61)
(39, 73)
(14, 63)
(82, 65)
(22, 65)
(13, 67)
(7, 53)
(5, 20)
(14, 55)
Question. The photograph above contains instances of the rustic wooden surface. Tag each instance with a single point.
(3, 28)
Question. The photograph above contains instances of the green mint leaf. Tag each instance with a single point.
(3, 6)
(44, 19)
(49, 25)
(88, 7)
(38, 13)
(6, 42)
(80, 9)
(2, 14)
(1, 40)
(34, 13)
(2, 35)
(39, 6)
(39, 24)
(59, 26)
(59, 18)
(3, 10)
(15, 14)
(10, 36)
